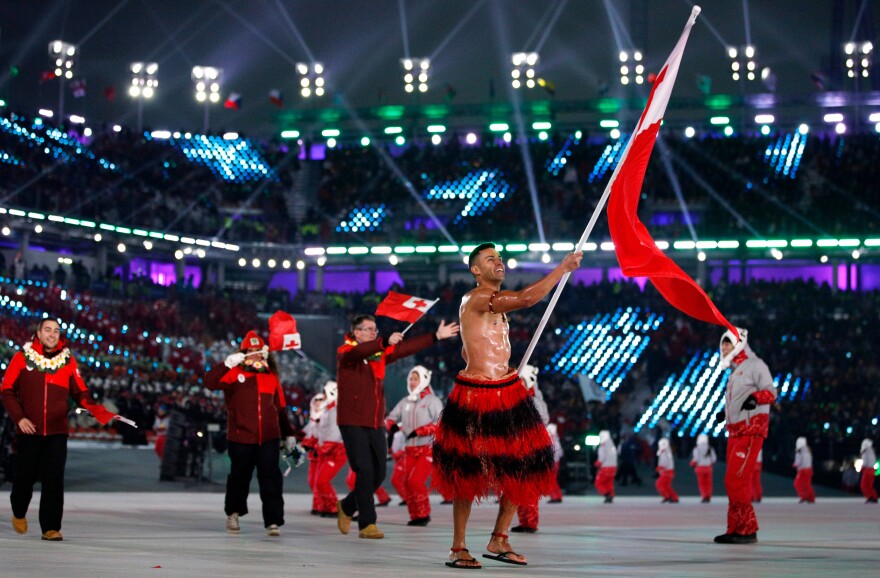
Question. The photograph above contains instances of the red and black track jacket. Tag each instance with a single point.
(360, 375)
(41, 396)
(255, 407)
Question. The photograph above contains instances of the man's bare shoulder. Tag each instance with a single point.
(476, 299)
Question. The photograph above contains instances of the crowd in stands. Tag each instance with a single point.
(731, 186)
(143, 345)
(152, 352)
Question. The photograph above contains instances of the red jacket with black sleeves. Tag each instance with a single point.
(255, 407)
(41, 396)
(360, 377)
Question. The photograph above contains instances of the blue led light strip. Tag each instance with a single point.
(483, 190)
(610, 156)
(606, 347)
(558, 162)
(690, 402)
(360, 219)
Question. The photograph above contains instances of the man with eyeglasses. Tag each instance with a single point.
(360, 373)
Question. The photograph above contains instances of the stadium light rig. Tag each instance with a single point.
(523, 71)
(64, 55)
(858, 59)
(207, 81)
(311, 78)
(143, 79)
(631, 67)
(743, 62)
(415, 74)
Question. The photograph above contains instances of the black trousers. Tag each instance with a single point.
(40, 458)
(243, 459)
(367, 451)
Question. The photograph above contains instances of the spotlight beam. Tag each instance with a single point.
(455, 30)
(407, 184)
(176, 186)
(540, 25)
(522, 137)
(617, 28)
(33, 180)
(550, 25)
(403, 32)
(748, 25)
(112, 187)
(257, 192)
(295, 30)
(170, 37)
(103, 21)
(39, 33)
(862, 6)
(256, 32)
(704, 19)
(676, 186)
(764, 193)
(715, 195)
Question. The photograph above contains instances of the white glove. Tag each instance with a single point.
(234, 359)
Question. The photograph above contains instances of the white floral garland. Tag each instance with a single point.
(43, 363)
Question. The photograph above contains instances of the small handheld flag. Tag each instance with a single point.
(403, 307)
(282, 332)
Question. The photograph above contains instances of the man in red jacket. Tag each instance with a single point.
(360, 373)
(35, 389)
(256, 420)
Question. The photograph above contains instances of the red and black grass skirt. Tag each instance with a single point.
(491, 440)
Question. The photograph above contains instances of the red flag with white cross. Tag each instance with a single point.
(404, 307)
(282, 332)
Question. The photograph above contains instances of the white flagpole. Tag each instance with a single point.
(589, 229)
(416, 321)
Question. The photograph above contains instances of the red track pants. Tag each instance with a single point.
(418, 466)
(742, 455)
(867, 484)
(757, 489)
(605, 481)
(664, 485)
(314, 466)
(331, 458)
(398, 476)
(803, 484)
(704, 480)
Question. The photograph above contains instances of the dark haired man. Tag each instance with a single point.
(360, 374)
(491, 439)
(35, 389)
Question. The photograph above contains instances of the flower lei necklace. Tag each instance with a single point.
(43, 363)
(259, 366)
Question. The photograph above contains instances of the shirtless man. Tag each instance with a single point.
(491, 439)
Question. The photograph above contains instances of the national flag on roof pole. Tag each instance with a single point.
(233, 102)
(404, 307)
(636, 250)
(276, 97)
(283, 334)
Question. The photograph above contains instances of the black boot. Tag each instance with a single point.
(419, 521)
(734, 538)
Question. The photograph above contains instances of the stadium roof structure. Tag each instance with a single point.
(469, 43)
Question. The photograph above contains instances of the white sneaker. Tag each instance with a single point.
(273, 530)
(232, 524)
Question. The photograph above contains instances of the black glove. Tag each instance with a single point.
(720, 417)
(750, 403)
(412, 435)
(394, 429)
